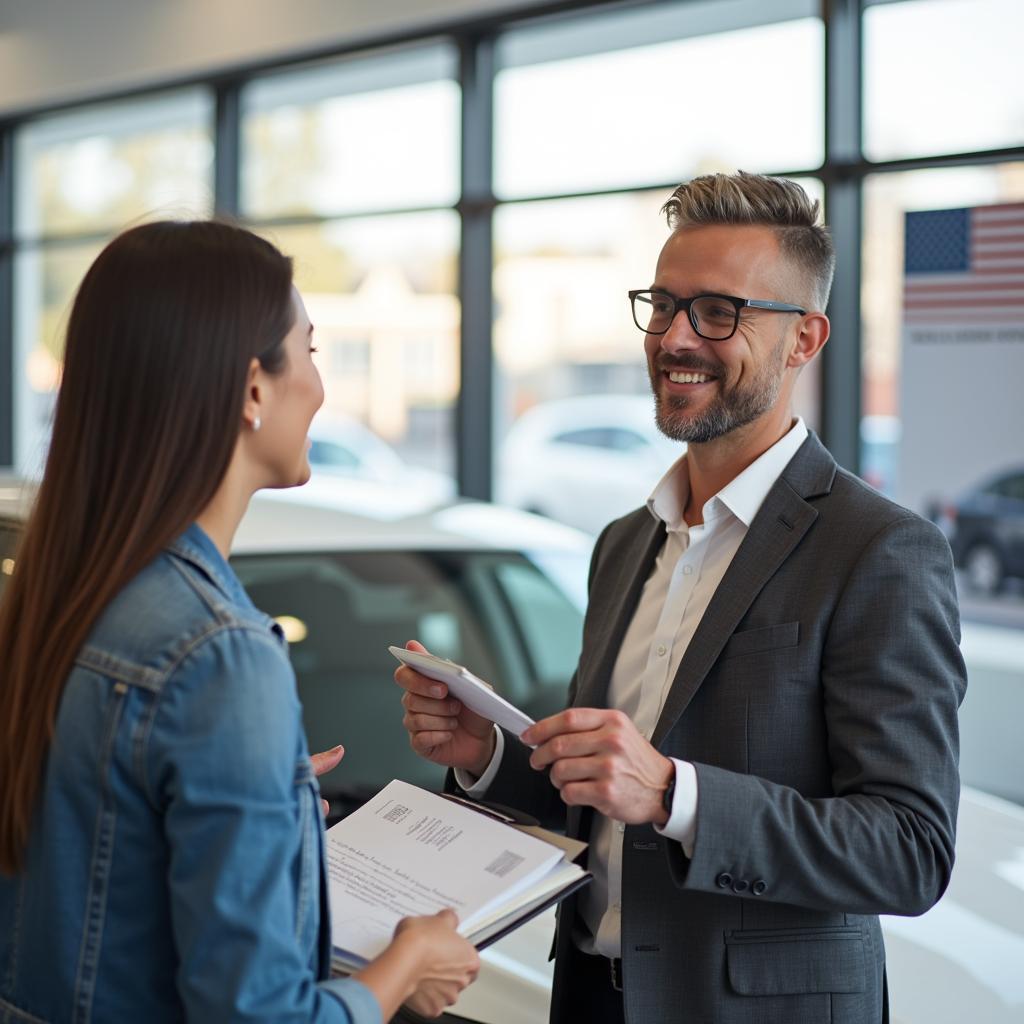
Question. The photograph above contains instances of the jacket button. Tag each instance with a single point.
(759, 887)
(740, 885)
(724, 880)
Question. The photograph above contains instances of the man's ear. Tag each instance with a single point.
(252, 406)
(814, 331)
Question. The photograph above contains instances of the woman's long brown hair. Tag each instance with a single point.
(159, 343)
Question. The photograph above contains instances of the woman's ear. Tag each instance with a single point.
(251, 408)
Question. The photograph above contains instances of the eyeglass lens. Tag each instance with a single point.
(711, 317)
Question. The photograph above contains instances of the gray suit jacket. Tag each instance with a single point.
(818, 702)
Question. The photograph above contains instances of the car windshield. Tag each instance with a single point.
(499, 613)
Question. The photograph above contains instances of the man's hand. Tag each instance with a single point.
(599, 759)
(440, 728)
(323, 763)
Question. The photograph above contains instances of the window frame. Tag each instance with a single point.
(843, 172)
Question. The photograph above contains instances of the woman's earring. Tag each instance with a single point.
(256, 424)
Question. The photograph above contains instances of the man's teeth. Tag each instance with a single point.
(688, 378)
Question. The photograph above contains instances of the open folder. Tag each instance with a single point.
(407, 851)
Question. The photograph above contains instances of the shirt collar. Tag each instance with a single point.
(742, 496)
(196, 547)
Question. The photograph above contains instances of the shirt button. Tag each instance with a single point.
(617, 907)
(662, 650)
(621, 827)
(687, 570)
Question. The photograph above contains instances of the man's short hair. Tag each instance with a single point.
(758, 199)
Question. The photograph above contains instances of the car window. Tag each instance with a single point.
(593, 437)
(341, 611)
(623, 440)
(330, 453)
(552, 633)
(1011, 487)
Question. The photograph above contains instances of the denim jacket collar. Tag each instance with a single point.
(196, 548)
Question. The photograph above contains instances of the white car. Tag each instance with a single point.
(351, 567)
(585, 460)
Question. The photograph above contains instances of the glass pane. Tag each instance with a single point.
(45, 282)
(615, 119)
(570, 359)
(381, 294)
(943, 358)
(342, 610)
(375, 133)
(954, 66)
(101, 167)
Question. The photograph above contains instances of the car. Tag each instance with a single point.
(349, 568)
(584, 460)
(985, 529)
(342, 446)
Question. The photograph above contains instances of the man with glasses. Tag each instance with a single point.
(761, 742)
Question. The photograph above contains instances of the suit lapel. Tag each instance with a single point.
(618, 603)
(777, 529)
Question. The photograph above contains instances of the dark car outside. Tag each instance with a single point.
(985, 528)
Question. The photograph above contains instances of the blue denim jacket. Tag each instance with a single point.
(175, 869)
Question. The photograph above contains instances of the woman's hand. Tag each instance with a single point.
(426, 966)
(323, 763)
(450, 961)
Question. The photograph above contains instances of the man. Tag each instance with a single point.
(761, 742)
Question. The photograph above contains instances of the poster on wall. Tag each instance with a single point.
(962, 389)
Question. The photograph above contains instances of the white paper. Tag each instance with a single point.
(409, 852)
(466, 687)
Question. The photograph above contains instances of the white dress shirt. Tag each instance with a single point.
(688, 570)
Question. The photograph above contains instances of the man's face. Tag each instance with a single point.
(738, 380)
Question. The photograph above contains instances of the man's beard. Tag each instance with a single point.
(729, 410)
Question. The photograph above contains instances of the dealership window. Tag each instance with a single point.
(942, 76)
(352, 168)
(614, 102)
(81, 177)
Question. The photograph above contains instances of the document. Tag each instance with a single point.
(407, 851)
(477, 695)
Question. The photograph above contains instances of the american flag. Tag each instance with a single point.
(965, 267)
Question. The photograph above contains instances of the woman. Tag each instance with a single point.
(161, 853)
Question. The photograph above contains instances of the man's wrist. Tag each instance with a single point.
(665, 793)
(479, 768)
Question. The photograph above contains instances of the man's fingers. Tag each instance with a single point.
(575, 769)
(425, 742)
(566, 745)
(571, 720)
(415, 682)
(428, 723)
(415, 704)
(327, 759)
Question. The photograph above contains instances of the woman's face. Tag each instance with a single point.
(294, 396)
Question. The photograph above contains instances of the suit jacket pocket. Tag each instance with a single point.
(796, 961)
(764, 638)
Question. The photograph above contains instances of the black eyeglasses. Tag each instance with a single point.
(713, 317)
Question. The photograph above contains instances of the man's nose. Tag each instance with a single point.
(680, 336)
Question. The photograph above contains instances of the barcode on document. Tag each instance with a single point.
(504, 863)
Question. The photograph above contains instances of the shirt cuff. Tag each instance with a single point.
(682, 822)
(359, 1002)
(478, 787)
